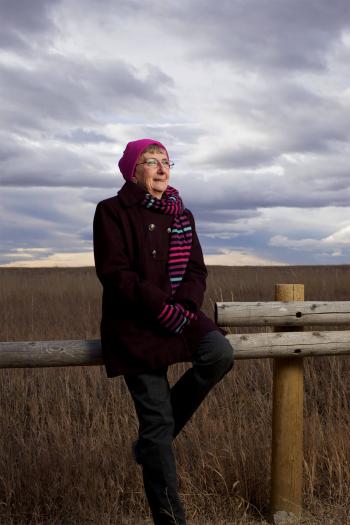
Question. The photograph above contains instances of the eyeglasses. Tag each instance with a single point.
(153, 163)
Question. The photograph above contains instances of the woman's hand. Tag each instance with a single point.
(175, 317)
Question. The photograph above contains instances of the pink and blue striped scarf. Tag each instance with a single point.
(181, 232)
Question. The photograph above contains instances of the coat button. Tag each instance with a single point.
(154, 253)
(169, 230)
(151, 227)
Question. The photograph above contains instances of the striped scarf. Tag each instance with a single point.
(181, 232)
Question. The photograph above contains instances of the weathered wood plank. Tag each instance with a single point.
(276, 313)
(246, 346)
(290, 344)
(50, 353)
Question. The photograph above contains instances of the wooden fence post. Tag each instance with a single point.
(287, 425)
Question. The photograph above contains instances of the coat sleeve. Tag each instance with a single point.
(113, 265)
(190, 293)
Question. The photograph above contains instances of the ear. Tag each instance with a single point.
(134, 179)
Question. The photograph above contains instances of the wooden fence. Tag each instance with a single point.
(287, 345)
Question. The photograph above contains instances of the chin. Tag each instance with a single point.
(160, 188)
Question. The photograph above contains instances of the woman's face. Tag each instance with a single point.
(153, 179)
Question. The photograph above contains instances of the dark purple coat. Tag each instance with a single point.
(131, 245)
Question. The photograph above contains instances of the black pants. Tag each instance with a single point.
(163, 411)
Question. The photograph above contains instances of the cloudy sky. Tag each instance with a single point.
(251, 98)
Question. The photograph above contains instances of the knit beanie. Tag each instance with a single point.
(132, 152)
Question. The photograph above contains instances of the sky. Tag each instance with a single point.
(250, 97)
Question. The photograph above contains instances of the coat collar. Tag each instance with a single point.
(131, 194)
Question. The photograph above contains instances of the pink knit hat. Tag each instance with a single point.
(131, 154)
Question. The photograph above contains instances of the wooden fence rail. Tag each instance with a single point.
(288, 314)
(281, 313)
(38, 354)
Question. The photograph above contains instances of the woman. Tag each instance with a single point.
(150, 263)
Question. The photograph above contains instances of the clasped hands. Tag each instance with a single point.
(175, 317)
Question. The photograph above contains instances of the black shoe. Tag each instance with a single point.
(159, 477)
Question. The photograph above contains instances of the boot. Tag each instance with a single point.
(159, 477)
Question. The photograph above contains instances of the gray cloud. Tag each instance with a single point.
(269, 134)
(292, 35)
(82, 136)
(44, 108)
(68, 92)
(289, 118)
(250, 190)
(41, 219)
(50, 165)
(243, 157)
(24, 23)
(261, 34)
(174, 133)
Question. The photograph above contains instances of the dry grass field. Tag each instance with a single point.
(65, 433)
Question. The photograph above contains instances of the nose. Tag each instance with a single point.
(161, 168)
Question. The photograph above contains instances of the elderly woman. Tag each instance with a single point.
(150, 263)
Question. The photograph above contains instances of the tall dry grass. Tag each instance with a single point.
(65, 433)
